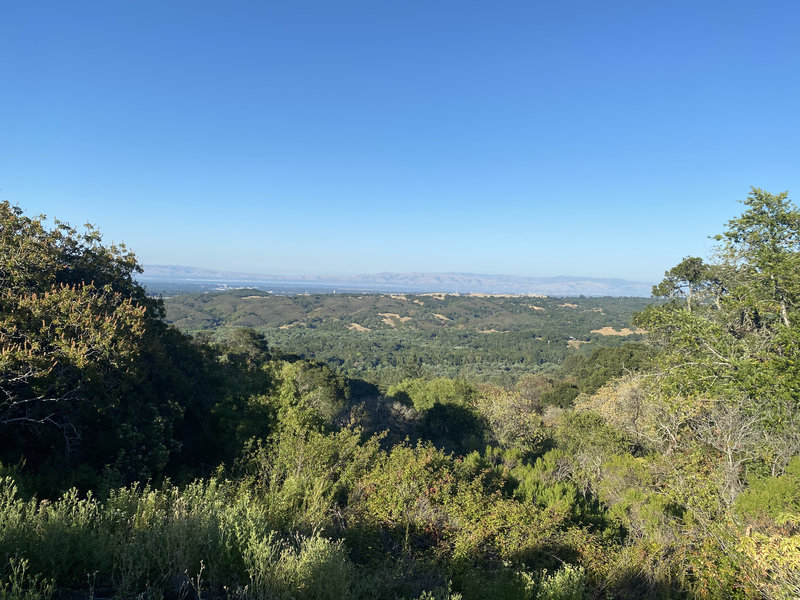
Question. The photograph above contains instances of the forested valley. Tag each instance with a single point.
(249, 446)
(385, 338)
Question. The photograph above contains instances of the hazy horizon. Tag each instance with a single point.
(171, 279)
(263, 273)
(535, 140)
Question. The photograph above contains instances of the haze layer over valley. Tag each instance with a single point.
(165, 277)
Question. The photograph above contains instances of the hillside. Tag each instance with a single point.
(477, 336)
(542, 465)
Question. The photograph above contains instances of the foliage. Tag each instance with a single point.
(605, 364)
(727, 384)
(730, 364)
(497, 339)
(19, 584)
(687, 279)
(309, 567)
(512, 420)
(667, 469)
(565, 584)
(769, 501)
(80, 342)
(423, 394)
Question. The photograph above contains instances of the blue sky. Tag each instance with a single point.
(603, 139)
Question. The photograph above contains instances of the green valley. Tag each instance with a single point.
(384, 337)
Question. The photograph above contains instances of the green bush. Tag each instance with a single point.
(769, 499)
(568, 583)
(310, 567)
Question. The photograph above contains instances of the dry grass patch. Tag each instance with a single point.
(390, 318)
(357, 327)
(288, 325)
(622, 332)
(568, 305)
(442, 317)
(395, 316)
(534, 307)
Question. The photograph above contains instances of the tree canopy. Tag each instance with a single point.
(730, 360)
(87, 363)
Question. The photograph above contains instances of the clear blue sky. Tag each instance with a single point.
(588, 138)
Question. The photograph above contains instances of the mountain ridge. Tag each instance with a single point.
(463, 283)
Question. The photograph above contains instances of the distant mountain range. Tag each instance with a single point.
(463, 283)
